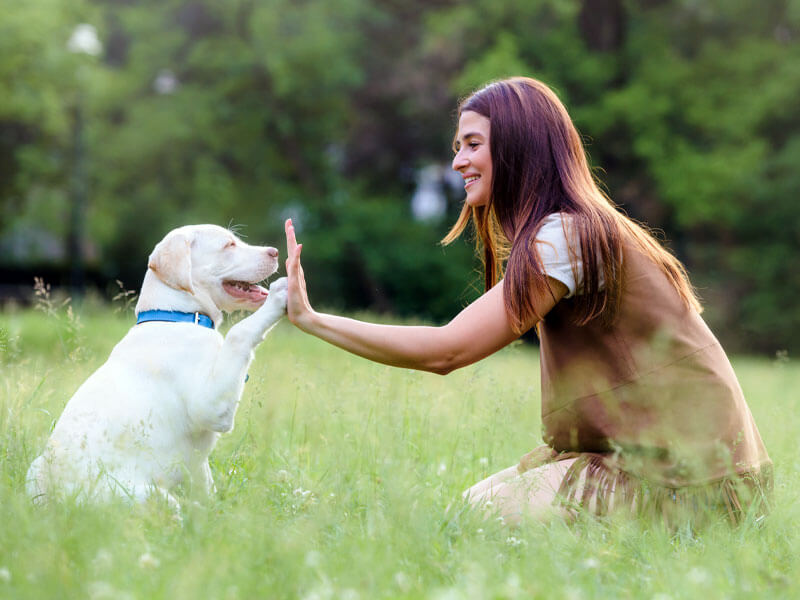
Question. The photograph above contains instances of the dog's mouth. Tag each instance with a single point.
(243, 290)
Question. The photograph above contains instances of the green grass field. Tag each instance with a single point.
(335, 480)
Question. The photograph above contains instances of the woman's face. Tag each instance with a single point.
(473, 158)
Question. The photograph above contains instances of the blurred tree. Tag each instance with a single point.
(37, 93)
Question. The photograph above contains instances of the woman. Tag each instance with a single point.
(640, 407)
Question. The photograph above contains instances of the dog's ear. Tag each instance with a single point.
(171, 261)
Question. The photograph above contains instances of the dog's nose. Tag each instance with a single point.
(273, 252)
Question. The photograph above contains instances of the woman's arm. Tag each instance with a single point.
(477, 331)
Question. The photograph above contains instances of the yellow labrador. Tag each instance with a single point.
(150, 416)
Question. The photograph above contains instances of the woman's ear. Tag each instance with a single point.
(171, 261)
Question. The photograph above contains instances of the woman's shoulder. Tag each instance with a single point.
(557, 229)
(559, 251)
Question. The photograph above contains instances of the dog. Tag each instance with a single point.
(147, 420)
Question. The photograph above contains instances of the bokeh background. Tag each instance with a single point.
(120, 119)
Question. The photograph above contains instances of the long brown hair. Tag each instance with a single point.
(540, 167)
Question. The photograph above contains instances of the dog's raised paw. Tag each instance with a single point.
(278, 291)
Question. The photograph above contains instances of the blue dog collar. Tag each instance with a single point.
(175, 317)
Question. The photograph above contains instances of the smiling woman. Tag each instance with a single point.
(641, 410)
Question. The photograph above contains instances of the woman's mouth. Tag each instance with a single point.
(470, 180)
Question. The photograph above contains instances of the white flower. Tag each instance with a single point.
(591, 563)
(148, 561)
(5, 574)
(442, 468)
(300, 492)
(515, 541)
(282, 475)
(483, 461)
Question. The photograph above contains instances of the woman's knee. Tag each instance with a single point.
(533, 494)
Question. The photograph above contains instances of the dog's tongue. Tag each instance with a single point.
(246, 291)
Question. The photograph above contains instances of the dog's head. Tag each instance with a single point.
(210, 262)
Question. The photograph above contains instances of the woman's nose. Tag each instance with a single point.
(459, 162)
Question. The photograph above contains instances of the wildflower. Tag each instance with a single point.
(148, 561)
(591, 563)
(515, 542)
(483, 461)
(5, 574)
(282, 475)
(442, 468)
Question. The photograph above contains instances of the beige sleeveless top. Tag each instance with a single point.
(655, 387)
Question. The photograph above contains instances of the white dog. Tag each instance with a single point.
(150, 416)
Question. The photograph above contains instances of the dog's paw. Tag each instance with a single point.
(278, 292)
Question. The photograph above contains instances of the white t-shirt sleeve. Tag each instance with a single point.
(556, 252)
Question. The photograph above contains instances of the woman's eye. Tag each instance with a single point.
(473, 144)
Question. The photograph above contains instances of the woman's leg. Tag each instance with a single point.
(512, 495)
(480, 488)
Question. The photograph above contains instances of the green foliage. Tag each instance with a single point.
(367, 253)
(326, 110)
(335, 484)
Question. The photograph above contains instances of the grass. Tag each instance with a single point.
(335, 480)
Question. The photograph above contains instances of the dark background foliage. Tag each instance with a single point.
(247, 112)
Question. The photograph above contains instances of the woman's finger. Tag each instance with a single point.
(291, 239)
(298, 300)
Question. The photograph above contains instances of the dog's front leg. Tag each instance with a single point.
(216, 405)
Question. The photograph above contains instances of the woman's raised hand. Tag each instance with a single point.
(298, 309)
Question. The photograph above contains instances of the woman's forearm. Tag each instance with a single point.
(412, 347)
(477, 331)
